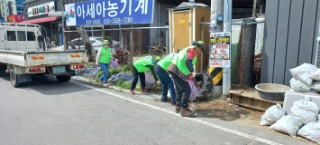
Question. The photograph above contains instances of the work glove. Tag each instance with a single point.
(190, 77)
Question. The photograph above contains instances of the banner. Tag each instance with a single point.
(220, 50)
(109, 12)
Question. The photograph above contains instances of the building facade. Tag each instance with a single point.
(48, 14)
(11, 10)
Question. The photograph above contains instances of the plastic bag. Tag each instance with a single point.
(114, 63)
(287, 124)
(311, 131)
(194, 90)
(305, 111)
(299, 86)
(304, 72)
(272, 115)
(150, 82)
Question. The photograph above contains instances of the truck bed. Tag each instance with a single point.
(30, 58)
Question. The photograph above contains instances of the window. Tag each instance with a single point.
(11, 36)
(21, 35)
(31, 36)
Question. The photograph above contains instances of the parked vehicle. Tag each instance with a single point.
(96, 42)
(23, 53)
(78, 43)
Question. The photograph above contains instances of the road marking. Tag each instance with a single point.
(197, 120)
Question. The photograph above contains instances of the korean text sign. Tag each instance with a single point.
(109, 12)
(220, 50)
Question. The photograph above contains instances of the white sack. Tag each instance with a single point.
(299, 86)
(311, 131)
(272, 115)
(316, 75)
(305, 111)
(304, 72)
(316, 86)
(287, 124)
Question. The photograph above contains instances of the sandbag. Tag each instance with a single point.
(149, 79)
(316, 86)
(272, 115)
(316, 75)
(304, 72)
(299, 86)
(305, 111)
(311, 131)
(287, 124)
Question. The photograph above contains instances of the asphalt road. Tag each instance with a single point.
(46, 112)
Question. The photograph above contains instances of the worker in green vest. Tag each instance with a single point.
(141, 66)
(181, 70)
(103, 60)
(166, 81)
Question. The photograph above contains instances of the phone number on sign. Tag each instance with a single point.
(110, 21)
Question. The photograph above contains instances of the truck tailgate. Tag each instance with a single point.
(51, 58)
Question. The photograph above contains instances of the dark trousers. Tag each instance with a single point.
(135, 79)
(166, 82)
(183, 91)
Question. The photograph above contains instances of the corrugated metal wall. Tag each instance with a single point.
(291, 28)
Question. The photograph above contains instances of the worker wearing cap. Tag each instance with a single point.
(181, 70)
(103, 60)
(166, 81)
(141, 66)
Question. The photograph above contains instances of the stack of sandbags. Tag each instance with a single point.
(303, 112)
(303, 77)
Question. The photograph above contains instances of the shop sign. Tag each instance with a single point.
(220, 50)
(41, 9)
(111, 12)
(15, 18)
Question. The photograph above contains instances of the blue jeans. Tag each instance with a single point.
(166, 82)
(105, 71)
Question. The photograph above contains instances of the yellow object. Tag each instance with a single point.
(216, 74)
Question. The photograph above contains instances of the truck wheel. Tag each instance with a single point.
(63, 78)
(13, 77)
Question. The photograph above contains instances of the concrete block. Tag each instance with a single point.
(292, 96)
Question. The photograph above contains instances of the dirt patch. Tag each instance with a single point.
(226, 111)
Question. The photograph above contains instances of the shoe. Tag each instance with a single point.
(178, 108)
(186, 112)
(132, 92)
(173, 103)
(106, 85)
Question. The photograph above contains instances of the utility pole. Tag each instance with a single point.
(220, 22)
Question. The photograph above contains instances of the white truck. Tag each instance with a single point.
(23, 53)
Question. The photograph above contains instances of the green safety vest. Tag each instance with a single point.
(142, 62)
(105, 55)
(166, 61)
(180, 61)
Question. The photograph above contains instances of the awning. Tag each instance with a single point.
(40, 20)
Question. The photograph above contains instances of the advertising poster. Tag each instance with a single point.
(220, 50)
